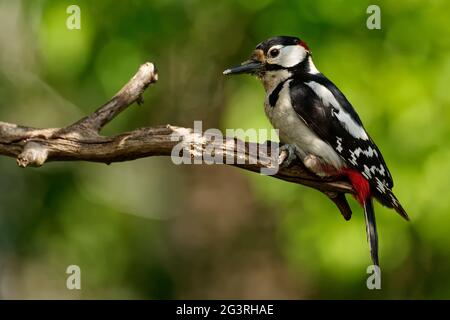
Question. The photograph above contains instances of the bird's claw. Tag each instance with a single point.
(287, 155)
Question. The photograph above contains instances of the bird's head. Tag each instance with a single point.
(275, 59)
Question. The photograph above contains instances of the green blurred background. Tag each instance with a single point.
(150, 229)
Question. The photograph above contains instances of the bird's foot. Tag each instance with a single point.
(287, 155)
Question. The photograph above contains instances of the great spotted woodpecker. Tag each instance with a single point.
(318, 125)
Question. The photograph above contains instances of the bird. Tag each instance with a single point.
(318, 125)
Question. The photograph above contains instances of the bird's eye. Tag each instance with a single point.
(274, 53)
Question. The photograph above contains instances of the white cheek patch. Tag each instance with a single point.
(290, 56)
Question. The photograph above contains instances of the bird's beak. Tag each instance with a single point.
(252, 66)
(249, 66)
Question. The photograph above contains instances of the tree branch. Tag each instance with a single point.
(82, 141)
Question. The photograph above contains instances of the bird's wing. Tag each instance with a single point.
(326, 111)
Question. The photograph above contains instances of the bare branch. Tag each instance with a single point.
(81, 141)
(130, 93)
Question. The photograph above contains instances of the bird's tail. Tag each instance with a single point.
(397, 206)
(371, 229)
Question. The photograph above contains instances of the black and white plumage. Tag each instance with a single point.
(316, 119)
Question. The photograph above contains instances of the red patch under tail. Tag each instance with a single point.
(359, 183)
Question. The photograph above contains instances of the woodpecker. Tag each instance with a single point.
(318, 125)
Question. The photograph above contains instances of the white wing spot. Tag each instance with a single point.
(339, 146)
(343, 116)
(367, 172)
(381, 186)
(370, 152)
